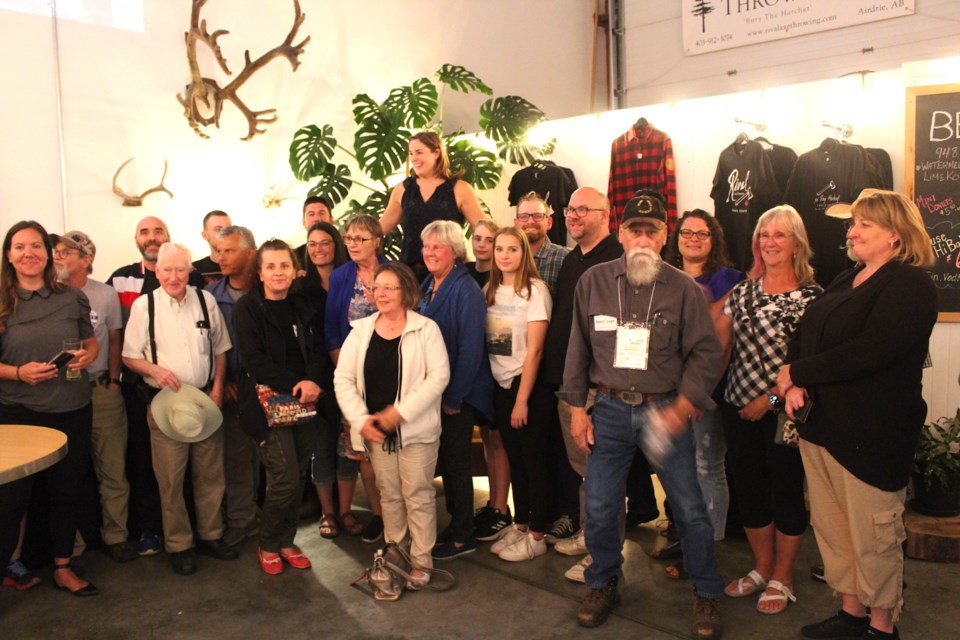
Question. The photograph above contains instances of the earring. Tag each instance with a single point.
(893, 243)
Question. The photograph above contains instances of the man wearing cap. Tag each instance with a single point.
(131, 282)
(535, 218)
(74, 253)
(237, 252)
(185, 348)
(642, 335)
(315, 209)
(209, 266)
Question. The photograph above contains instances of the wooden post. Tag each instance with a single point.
(933, 539)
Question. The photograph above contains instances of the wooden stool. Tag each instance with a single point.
(933, 539)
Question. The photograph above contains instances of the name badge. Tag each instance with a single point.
(633, 347)
(604, 323)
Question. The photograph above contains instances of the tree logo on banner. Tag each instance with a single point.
(700, 9)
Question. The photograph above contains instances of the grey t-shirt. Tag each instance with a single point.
(105, 317)
(35, 333)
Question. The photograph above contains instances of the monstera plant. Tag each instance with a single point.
(379, 148)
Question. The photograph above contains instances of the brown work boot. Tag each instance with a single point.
(598, 605)
(706, 618)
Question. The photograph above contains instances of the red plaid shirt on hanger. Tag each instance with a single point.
(642, 158)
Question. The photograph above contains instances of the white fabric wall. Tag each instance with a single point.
(119, 87)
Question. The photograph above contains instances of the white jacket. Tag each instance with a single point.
(424, 373)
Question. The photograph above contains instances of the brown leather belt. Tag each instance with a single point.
(634, 398)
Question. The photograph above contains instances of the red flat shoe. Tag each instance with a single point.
(270, 562)
(295, 558)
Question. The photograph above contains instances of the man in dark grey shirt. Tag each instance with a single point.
(642, 335)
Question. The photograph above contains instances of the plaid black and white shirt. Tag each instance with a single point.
(763, 324)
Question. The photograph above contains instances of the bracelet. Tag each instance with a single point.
(19, 379)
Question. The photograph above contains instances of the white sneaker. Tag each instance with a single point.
(575, 573)
(510, 535)
(573, 546)
(526, 548)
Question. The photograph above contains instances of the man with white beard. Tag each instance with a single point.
(642, 335)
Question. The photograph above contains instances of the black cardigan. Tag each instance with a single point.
(859, 352)
(263, 357)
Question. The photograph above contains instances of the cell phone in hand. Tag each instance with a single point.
(61, 359)
(800, 415)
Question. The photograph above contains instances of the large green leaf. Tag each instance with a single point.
(381, 144)
(311, 150)
(521, 152)
(509, 117)
(374, 205)
(417, 102)
(460, 79)
(334, 183)
(479, 166)
(364, 107)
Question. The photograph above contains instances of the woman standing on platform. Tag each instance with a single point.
(858, 357)
(37, 315)
(431, 192)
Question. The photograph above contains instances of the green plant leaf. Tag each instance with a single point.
(364, 107)
(460, 79)
(509, 117)
(521, 152)
(311, 150)
(334, 183)
(480, 167)
(417, 102)
(374, 205)
(381, 144)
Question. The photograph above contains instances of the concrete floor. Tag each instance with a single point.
(492, 600)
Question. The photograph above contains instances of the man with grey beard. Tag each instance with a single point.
(642, 335)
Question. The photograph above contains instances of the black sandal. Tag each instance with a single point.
(672, 551)
(82, 592)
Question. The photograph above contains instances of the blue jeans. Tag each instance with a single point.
(711, 469)
(617, 431)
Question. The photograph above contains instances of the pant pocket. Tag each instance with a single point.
(888, 530)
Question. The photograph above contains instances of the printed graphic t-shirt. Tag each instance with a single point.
(507, 322)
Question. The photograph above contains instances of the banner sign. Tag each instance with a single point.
(712, 25)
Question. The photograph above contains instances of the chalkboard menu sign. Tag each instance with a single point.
(933, 181)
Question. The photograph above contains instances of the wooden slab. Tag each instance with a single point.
(26, 449)
(933, 539)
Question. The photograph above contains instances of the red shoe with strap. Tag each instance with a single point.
(295, 558)
(270, 562)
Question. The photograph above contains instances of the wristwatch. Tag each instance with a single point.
(775, 402)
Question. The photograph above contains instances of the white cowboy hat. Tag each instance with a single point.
(188, 415)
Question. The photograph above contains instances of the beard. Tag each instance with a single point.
(643, 265)
(61, 270)
(149, 251)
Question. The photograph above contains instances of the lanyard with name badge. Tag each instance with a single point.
(633, 338)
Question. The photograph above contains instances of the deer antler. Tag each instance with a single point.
(202, 89)
(136, 201)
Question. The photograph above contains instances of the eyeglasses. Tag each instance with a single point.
(635, 231)
(778, 236)
(63, 253)
(355, 240)
(322, 243)
(389, 288)
(523, 217)
(699, 235)
(579, 212)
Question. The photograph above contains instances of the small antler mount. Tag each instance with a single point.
(137, 201)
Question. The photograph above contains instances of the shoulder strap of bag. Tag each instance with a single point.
(206, 322)
(151, 310)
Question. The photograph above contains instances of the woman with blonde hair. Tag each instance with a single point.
(518, 312)
(759, 318)
(857, 359)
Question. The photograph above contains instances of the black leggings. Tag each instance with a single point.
(768, 477)
(527, 452)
